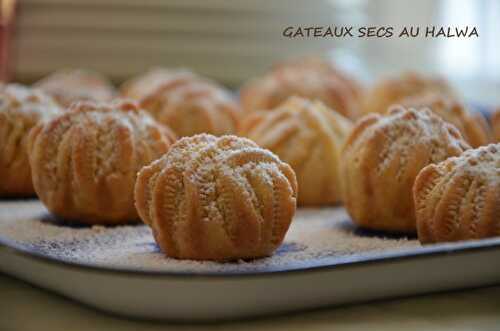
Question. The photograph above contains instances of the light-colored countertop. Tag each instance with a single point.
(26, 308)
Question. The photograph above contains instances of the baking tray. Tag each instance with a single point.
(324, 261)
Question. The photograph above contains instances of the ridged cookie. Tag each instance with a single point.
(71, 85)
(382, 157)
(21, 108)
(471, 126)
(215, 198)
(85, 161)
(391, 91)
(187, 103)
(459, 198)
(308, 136)
(310, 77)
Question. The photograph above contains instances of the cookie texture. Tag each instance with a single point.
(309, 77)
(217, 198)
(85, 161)
(495, 123)
(381, 159)
(393, 90)
(71, 85)
(21, 108)
(459, 198)
(308, 136)
(471, 126)
(187, 103)
(150, 82)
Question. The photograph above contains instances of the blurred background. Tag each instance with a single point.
(232, 41)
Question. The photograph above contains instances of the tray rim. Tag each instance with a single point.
(431, 251)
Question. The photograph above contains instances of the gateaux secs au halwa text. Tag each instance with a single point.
(380, 32)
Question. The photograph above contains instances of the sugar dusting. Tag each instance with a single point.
(316, 237)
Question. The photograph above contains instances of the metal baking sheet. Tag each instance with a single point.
(325, 260)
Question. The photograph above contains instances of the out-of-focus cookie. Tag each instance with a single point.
(459, 198)
(388, 92)
(21, 108)
(495, 123)
(217, 198)
(382, 157)
(471, 126)
(187, 103)
(150, 83)
(85, 161)
(72, 85)
(312, 78)
(308, 136)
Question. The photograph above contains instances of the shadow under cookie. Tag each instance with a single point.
(19, 198)
(51, 219)
(349, 226)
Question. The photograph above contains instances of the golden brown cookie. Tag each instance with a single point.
(308, 136)
(150, 83)
(71, 85)
(495, 123)
(381, 158)
(483, 122)
(21, 108)
(85, 161)
(459, 198)
(452, 111)
(187, 103)
(311, 78)
(388, 92)
(213, 198)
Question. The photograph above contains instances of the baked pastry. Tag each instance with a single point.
(381, 158)
(187, 103)
(21, 108)
(459, 198)
(386, 93)
(71, 85)
(309, 77)
(308, 136)
(495, 122)
(85, 161)
(483, 121)
(452, 111)
(148, 84)
(217, 198)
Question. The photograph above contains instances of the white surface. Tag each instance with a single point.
(207, 298)
(32, 309)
